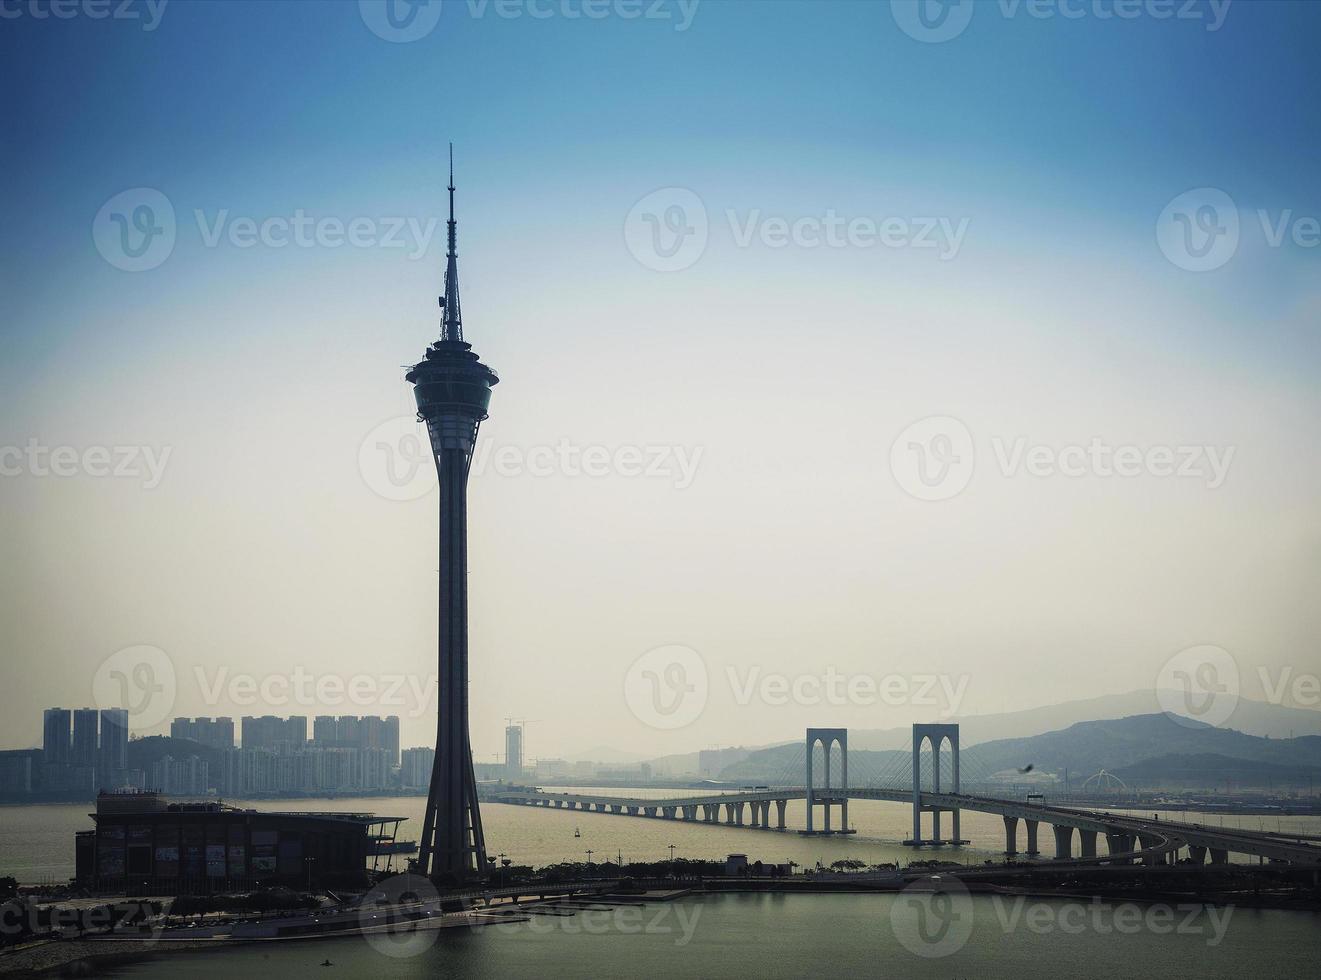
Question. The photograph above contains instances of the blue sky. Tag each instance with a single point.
(1059, 140)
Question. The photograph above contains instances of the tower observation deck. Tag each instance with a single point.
(453, 391)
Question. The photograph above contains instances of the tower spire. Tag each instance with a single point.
(451, 327)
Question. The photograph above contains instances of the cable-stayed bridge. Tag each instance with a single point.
(916, 780)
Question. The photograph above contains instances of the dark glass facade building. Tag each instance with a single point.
(142, 844)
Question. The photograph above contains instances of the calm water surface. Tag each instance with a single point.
(36, 842)
(792, 936)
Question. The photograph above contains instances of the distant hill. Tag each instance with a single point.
(1090, 746)
(1212, 770)
(1251, 717)
(1081, 749)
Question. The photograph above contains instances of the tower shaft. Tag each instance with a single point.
(453, 847)
(453, 391)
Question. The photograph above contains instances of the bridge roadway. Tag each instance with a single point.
(1128, 838)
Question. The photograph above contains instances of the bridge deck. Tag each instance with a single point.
(1162, 835)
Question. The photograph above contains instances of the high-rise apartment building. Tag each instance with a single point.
(85, 729)
(56, 745)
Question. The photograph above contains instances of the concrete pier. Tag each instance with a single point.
(1063, 842)
(1087, 843)
(1011, 836)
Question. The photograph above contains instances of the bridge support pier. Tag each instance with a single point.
(1147, 842)
(779, 806)
(1063, 842)
(1011, 836)
(649, 811)
(690, 813)
(1119, 843)
(1087, 843)
(711, 812)
(729, 814)
(1197, 854)
(1031, 827)
(1219, 856)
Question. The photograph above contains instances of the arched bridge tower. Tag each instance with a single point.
(828, 795)
(936, 735)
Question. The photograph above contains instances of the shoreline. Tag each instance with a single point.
(82, 957)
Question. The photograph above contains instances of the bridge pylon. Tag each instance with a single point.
(828, 796)
(936, 735)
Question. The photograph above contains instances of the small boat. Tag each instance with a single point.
(577, 832)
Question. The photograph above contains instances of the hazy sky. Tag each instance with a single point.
(985, 231)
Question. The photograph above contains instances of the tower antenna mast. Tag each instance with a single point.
(451, 327)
